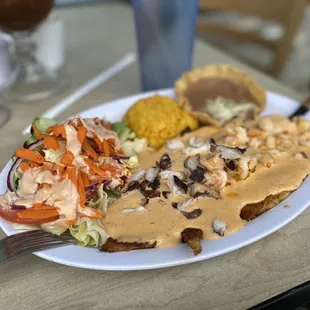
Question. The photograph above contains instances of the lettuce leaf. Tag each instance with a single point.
(104, 198)
(118, 127)
(55, 156)
(89, 232)
(100, 201)
(131, 163)
(25, 227)
(126, 134)
(57, 227)
(128, 139)
(134, 147)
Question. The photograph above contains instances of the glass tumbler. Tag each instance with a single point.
(165, 31)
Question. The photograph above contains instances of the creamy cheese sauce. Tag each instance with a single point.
(161, 222)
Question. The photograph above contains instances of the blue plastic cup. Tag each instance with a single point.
(165, 37)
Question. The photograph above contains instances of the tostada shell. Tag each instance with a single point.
(194, 87)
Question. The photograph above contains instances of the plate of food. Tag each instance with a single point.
(163, 178)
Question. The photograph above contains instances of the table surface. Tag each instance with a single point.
(98, 36)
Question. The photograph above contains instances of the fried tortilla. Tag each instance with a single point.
(252, 210)
(192, 237)
(217, 93)
(113, 246)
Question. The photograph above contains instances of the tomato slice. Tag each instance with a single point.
(11, 216)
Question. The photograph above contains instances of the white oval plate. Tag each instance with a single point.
(262, 226)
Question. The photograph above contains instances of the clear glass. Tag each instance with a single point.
(165, 32)
(5, 114)
(20, 18)
(33, 82)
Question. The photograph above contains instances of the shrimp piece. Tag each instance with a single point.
(216, 179)
(213, 163)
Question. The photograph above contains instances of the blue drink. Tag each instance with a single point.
(165, 38)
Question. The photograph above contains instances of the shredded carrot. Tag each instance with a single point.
(89, 150)
(73, 124)
(72, 175)
(47, 167)
(42, 206)
(106, 148)
(64, 174)
(100, 180)
(37, 205)
(113, 147)
(71, 222)
(50, 129)
(37, 132)
(96, 169)
(45, 185)
(85, 179)
(98, 142)
(51, 142)
(109, 168)
(24, 166)
(121, 151)
(38, 213)
(96, 214)
(91, 172)
(88, 162)
(62, 178)
(111, 143)
(30, 155)
(60, 130)
(81, 190)
(60, 169)
(100, 171)
(34, 165)
(108, 126)
(67, 158)
(81, 133)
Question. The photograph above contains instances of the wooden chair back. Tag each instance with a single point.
(288, 13)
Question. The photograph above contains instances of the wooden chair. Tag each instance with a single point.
(288, 13)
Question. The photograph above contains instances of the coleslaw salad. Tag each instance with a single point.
(66, 175)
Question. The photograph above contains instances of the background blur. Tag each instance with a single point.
(295, 71)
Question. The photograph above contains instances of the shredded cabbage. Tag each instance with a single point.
(89, 232)
(126, 134)
(131, 163)
(118, 127)
(129, 142)
(101, 201)
(134, 147)
(55, 156)
(57, 227)
(25, 227)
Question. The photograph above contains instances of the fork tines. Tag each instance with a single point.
(32, 241)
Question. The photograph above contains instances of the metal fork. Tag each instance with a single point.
(30, 241)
